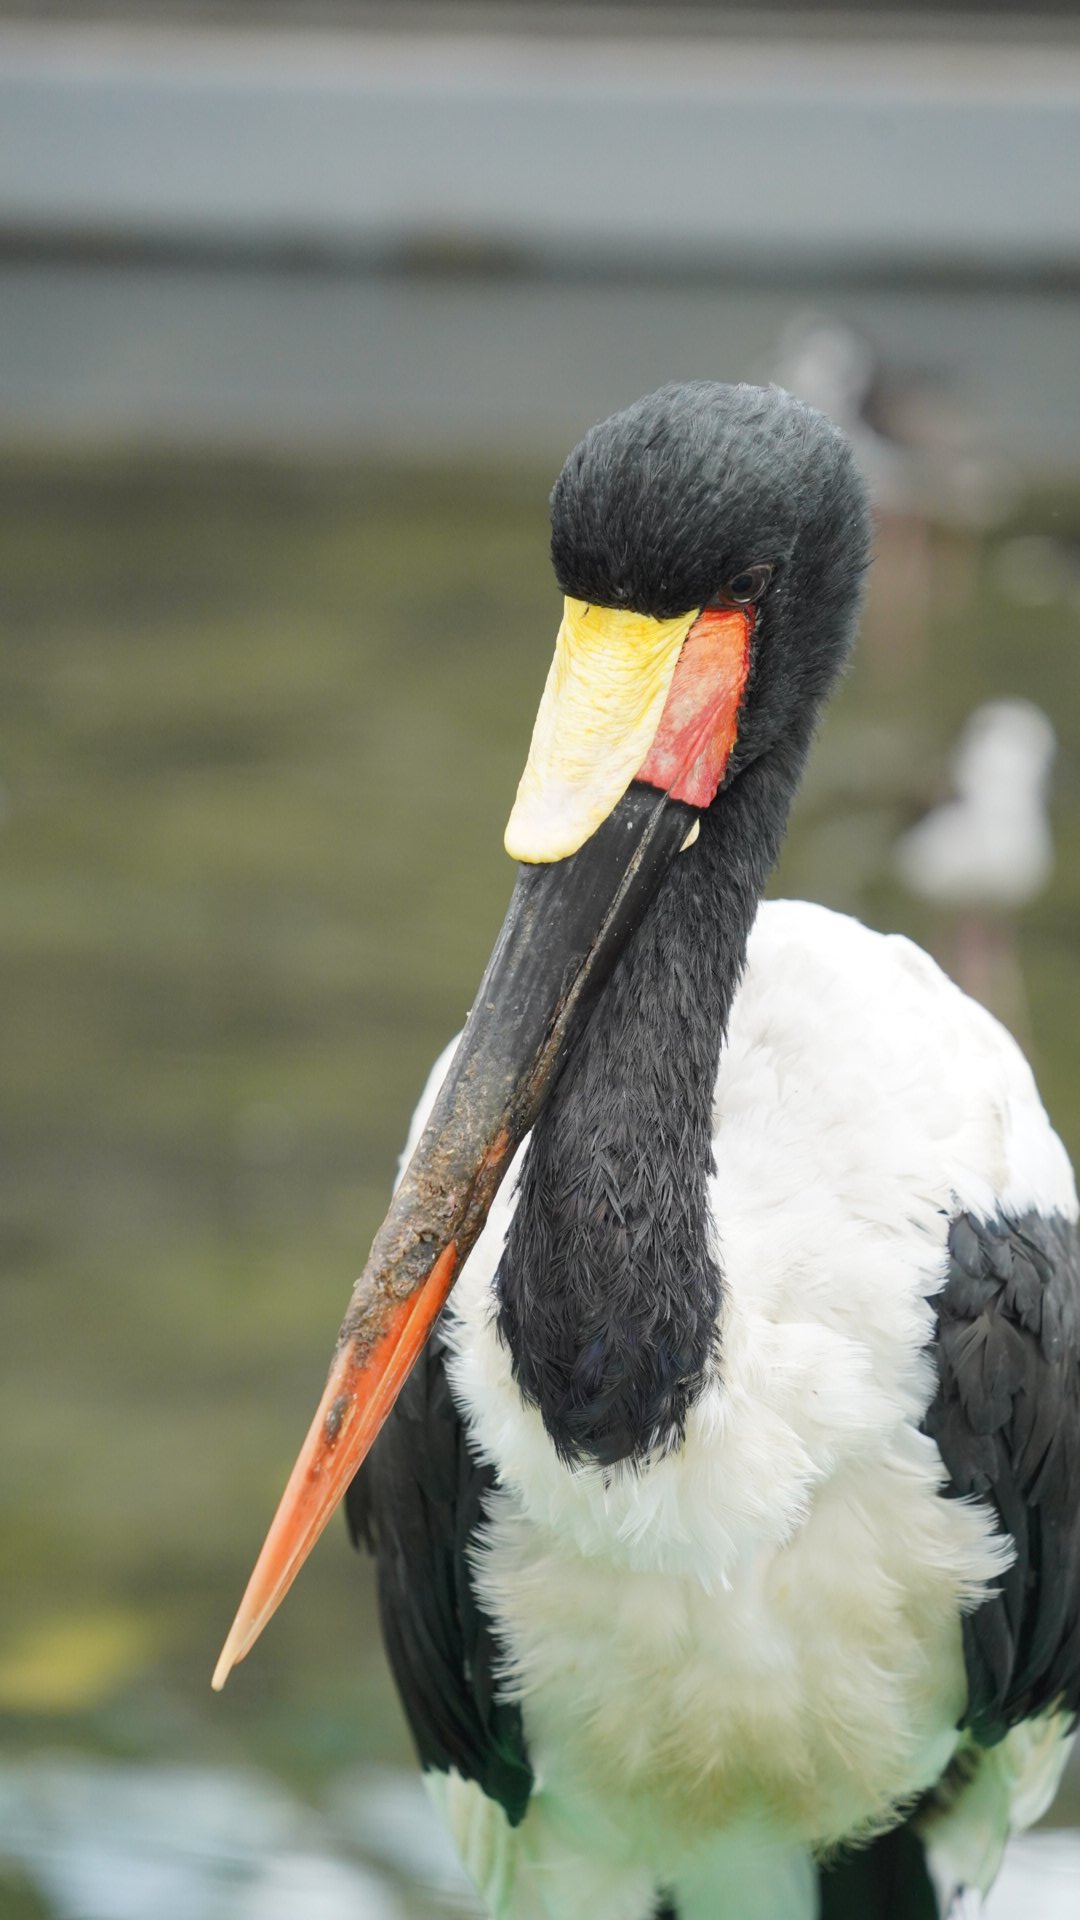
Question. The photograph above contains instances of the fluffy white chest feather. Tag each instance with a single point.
(763, 1627)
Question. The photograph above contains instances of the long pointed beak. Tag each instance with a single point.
(566, 925)
(625, 693)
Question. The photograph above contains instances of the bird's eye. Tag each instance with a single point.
(745, 588)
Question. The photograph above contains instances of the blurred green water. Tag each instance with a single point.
(259, 731)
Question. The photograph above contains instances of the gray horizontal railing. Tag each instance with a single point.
(606, 152)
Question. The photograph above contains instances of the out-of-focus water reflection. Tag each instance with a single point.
(101, 1840)
(260, 727)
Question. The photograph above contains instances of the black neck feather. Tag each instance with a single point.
(609, 1286)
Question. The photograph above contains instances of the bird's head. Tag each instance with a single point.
(710, 541)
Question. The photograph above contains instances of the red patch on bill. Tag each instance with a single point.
(689, 756)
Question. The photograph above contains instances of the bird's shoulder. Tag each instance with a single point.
(863, 1039)
(800, 947)
(803, 941)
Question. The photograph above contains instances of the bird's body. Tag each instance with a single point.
(674, 1578)
(748, 1652)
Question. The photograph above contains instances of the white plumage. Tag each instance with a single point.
(759, 1632)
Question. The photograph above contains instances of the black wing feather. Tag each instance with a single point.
(1006, 1418)
(417, 1503)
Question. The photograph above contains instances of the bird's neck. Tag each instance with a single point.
(610, 1283)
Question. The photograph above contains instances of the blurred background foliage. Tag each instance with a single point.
(263, 704)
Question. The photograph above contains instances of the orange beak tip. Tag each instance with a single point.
(226, 1662)
(358, 1395)
(239, 1641)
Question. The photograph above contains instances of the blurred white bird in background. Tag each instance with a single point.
(987, 853)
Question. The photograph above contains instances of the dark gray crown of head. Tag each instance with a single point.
(658, 507)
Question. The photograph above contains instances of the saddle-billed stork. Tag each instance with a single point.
(728, 1518)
